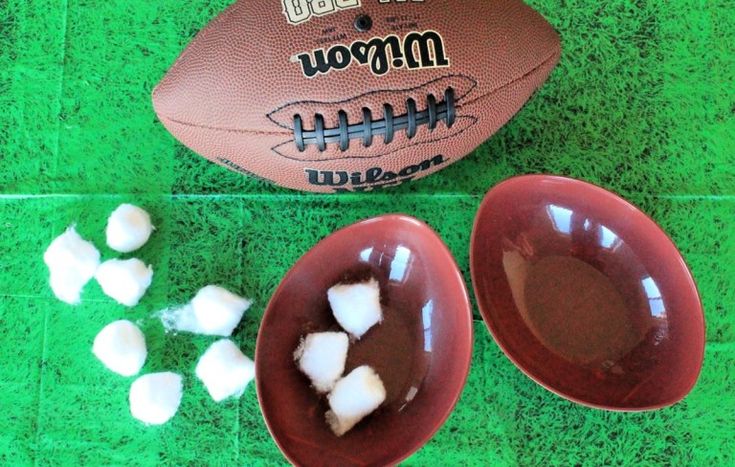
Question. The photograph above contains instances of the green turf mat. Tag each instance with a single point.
(643, 103)
(248, 245)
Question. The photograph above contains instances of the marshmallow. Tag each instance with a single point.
(353, 398)
(321, 357)
(218, 311)
(224, 370)
(213, 311)
(126, 281)
(128, 228)
(120, 346)
(155, 398)
(72, 262)
(356, 306)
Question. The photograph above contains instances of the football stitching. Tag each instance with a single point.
(551, 57)
(379, 91)
(430, 141)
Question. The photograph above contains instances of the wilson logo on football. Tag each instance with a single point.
(415, 51)
(300, 11)
(372, 179)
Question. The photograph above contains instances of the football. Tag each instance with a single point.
(353, 95)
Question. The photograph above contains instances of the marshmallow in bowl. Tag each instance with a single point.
(128, 228)
(321, 356)
(353, 398)
(72, 262)
(356, 307)
(126, 281)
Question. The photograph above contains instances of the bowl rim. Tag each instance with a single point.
(466, 304)
(690, 285)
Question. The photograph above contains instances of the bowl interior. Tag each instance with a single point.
(586, 294)
(421, 351)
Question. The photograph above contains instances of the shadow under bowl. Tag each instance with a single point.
(422, 349)
(586, 294)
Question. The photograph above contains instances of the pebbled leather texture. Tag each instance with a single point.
(233, 93)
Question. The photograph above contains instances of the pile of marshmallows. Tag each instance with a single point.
(154, 398)
(322, 356)
(73, 261)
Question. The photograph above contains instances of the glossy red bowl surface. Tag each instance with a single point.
(421, 351)
(586, 294)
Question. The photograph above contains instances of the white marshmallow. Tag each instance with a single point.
(126, 280)
(218, 311)
(155, 398)
(128, 228)
(72, 262)
(224, 370)
(356, 306)
(120, 346)
(321, 357)
(354, 397)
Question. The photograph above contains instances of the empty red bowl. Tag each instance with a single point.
(586, 294)
(422, 350)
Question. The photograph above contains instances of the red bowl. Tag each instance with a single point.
(422, 350)
(586, 294)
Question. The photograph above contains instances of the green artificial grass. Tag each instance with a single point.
(642, 103)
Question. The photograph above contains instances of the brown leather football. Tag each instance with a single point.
(353, 95)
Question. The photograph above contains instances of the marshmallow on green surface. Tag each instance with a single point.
(225, 370)
(218, 311)
(72, 262)
(128, 228)
(126, 281)
(214, 311)
(120, 346)
(154, 398)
